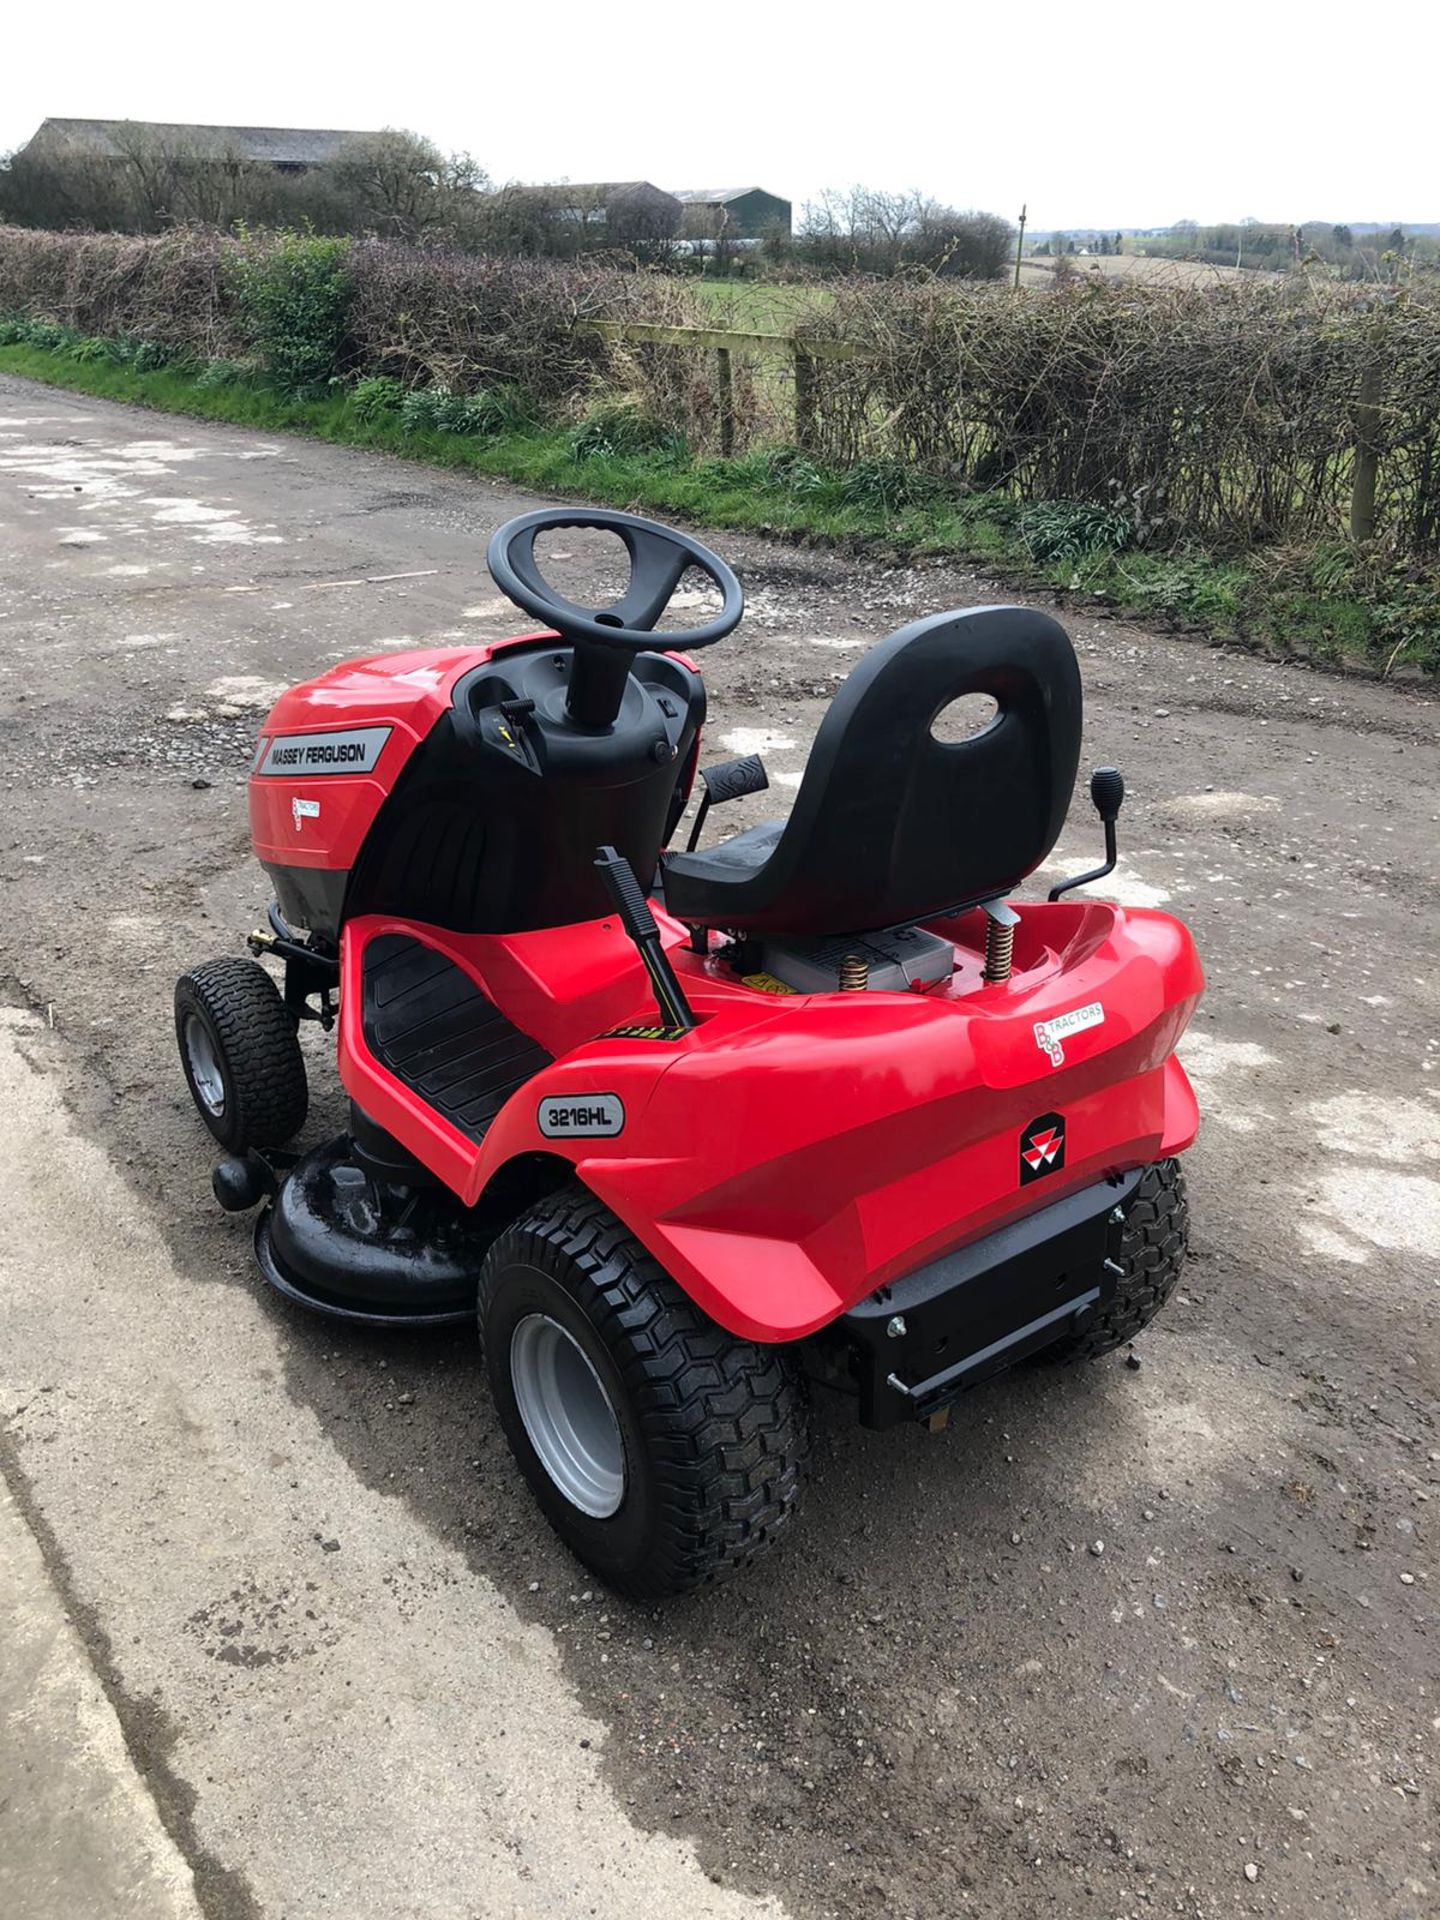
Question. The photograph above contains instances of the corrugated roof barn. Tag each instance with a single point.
(751, 212)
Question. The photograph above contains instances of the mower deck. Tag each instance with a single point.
(345, 1242)
(331, 1306)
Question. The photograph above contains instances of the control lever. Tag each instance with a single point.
(633, 911)
(727, 781)
(1107, 792)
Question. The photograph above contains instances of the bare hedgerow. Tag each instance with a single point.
(169, 288)
(1230, 413)
(427, 314)
(431, 315)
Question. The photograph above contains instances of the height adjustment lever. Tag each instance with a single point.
(1107, 792)
(632, 910)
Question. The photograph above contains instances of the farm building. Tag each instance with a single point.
(742, 213)
(287, 149)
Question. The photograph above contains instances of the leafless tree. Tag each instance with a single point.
(400, 186)
(866, 231)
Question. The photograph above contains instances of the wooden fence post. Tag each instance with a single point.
(725, 343)
(1367, 454)
(804, 400)
(725, 391)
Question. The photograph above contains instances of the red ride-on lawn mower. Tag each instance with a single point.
(687, 1126)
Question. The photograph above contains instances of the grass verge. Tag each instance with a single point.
(1327, 604)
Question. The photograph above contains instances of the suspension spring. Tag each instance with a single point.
(854, 974)
(999, 946)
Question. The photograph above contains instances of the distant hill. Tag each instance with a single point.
(1383, 226)
(1037, 234)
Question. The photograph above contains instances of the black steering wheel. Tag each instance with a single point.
(658, 557)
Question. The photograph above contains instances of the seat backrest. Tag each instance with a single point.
(891, 824)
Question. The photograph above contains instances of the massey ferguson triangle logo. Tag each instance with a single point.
(1042, 1148)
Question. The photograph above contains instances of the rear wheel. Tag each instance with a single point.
(664, 1451)
(240, 1054)
(1152, 1252)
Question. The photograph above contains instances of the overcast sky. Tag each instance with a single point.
(1097, 115)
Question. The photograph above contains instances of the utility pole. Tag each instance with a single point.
(1020, 244)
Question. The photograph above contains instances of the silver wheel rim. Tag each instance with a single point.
(568, 1415)
(204, 1063)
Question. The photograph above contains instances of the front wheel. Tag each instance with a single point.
(665, 1452)
(240, 1054)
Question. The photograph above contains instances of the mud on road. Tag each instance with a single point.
(1154, 1638)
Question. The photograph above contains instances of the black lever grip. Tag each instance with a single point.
(1107, 791)
(727, 781)
(732, 778)
(633, 912)
(627, 895)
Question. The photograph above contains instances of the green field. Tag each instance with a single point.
(755, 306)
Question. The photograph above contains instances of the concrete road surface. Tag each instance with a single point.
(1124, 1640)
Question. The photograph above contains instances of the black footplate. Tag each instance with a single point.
(431, 1026)
(918, 1343)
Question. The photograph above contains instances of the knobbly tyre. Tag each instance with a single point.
(691, 1127)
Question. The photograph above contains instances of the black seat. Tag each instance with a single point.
(891, 824)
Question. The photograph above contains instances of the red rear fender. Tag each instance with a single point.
(795, 1152)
